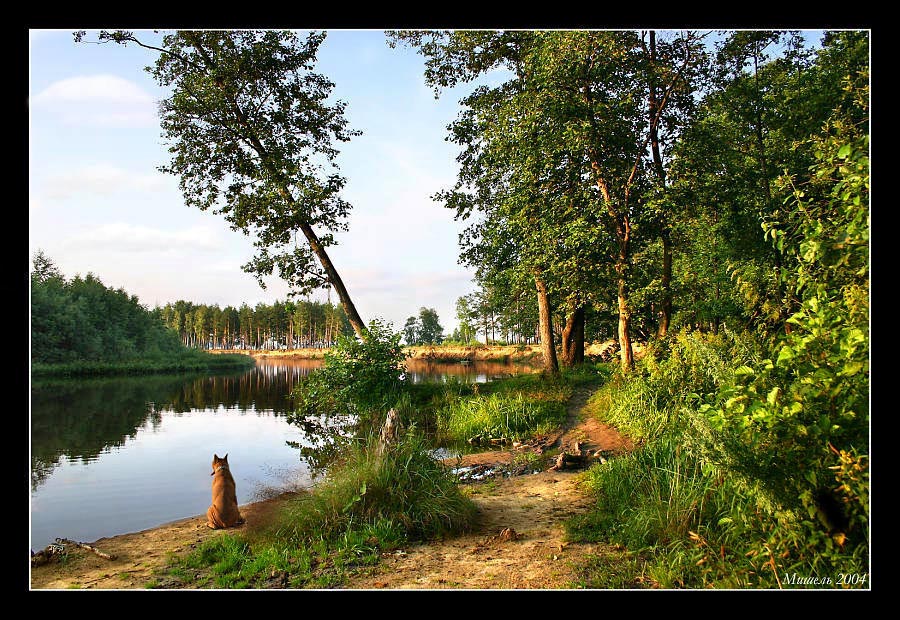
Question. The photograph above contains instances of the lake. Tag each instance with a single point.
(116, 455)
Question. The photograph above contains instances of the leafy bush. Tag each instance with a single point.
(797, 422)
(359, 376)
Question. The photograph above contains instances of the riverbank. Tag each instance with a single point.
(188, 361)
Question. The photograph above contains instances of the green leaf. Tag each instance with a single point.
(785, 355)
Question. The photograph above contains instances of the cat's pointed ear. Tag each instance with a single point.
(225, 458)
(215, 457)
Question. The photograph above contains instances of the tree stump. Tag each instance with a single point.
(390, 432)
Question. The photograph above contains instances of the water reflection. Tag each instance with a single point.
(420, 371)
(80, 419)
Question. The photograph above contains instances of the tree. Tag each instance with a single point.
(465, 315)
(43, 268)
(251, 134)
(430, 330)
(83, 320)
(423, 329)
(768, 98)
(497, 146)
(411, 331)
(557, 157)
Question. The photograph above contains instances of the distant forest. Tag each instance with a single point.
(83, 320)
(280, 325)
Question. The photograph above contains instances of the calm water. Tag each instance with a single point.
(117, 455)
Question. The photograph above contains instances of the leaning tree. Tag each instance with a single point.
(252, 134)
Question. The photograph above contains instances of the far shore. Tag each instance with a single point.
(528, 353)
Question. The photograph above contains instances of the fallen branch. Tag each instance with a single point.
(66, 541)
(577, 459)
(46, 554)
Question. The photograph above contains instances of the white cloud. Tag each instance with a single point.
(93, 88)
(104, 100)
(103, 179)
(128, 238)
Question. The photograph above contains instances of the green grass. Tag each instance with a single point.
(511, 409)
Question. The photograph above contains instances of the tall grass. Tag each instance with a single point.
(405, 486)
(507, 410)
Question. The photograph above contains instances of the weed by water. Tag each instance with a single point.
(507, 410)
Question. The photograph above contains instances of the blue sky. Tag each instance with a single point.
(97, 203)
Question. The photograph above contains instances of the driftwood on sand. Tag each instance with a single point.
(66, 541)
(59, 548)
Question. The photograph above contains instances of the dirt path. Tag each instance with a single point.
(518, 541)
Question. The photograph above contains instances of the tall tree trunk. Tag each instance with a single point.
(545, 325)
(573, 336)
(623, 237)
(335, 279)
(626, 355)
(665, 235)
(623, 231)
(665, 315)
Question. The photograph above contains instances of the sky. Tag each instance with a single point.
(97, 203)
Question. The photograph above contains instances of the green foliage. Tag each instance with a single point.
(424, 329)
(696, 498)
(804, 409)
(359, 376)
(655, 399)
(359, 382)
(252, 130)
(768, 96)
